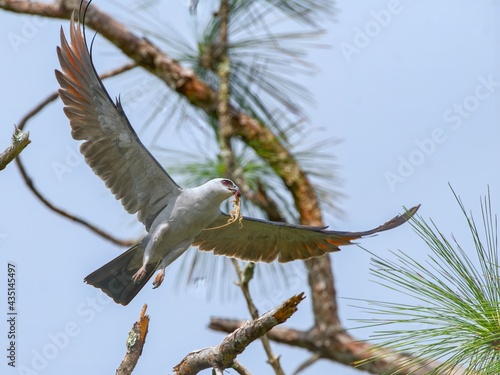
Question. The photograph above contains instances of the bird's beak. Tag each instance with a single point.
(236, 191)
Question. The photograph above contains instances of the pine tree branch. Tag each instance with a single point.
(135, 343)
(224, 93)
(222, 356)
(339, 347)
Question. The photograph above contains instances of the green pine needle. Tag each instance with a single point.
(455, 316)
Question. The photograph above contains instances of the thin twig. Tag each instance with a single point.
(76, 219)
(309, 362)
(239, 368)
(245, 276)
(29, 181)
(135, 344)
(19, 142)
(55, 95)
(222, 356)
(38, 108)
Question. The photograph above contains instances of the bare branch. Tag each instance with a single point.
(135, 343)
(222, 356)
(339, 347)
(19, 142)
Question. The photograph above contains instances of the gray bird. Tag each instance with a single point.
(175, 218)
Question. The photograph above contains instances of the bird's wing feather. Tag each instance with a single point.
(111, 147)
(265, 241)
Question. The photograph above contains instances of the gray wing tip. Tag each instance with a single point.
(390, 224)
(411, 212)
(398, 220)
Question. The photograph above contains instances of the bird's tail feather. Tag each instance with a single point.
(115, 277)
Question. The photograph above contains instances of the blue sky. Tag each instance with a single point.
(410, 88)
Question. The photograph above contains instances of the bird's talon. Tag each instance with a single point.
(139, 275)
(160, 276)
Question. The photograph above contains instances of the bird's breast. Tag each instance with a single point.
(186, 218)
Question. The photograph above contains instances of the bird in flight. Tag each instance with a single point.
(175, 218)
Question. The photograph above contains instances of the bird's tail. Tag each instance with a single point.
(115, 277)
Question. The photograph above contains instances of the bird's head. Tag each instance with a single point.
(221, 187)
(228, 186)
(218, 189)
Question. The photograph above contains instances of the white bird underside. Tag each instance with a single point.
(173, 217)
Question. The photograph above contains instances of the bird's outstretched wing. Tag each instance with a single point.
(111, 147)
(265, 241)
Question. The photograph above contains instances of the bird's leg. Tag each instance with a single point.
(160, 276)
(166, 261)
(139, 275)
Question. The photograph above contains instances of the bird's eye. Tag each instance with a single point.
(226, 182)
